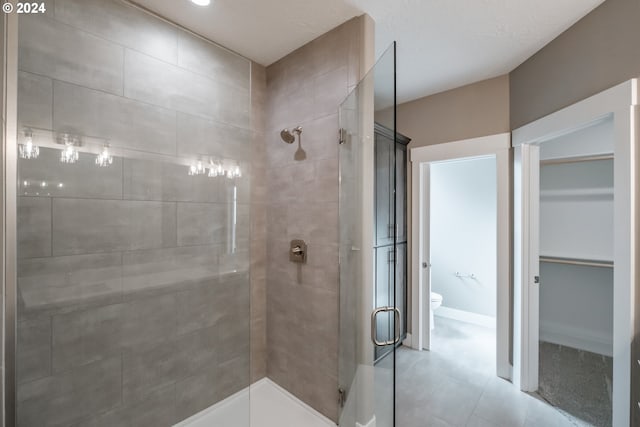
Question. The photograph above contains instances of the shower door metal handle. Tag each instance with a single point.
(374, 326)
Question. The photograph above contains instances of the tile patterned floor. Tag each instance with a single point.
(454, 385)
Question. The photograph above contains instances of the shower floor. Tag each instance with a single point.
(271, 406)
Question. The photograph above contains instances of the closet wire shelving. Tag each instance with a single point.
(572, 260)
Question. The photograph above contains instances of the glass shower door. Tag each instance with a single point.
(368, 327)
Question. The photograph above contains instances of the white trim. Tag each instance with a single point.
(408, 340)
(466, 316)
(420, 157)
(619, 103)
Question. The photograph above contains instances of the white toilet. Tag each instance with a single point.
(436, 301)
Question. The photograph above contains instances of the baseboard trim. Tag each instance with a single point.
(578, 338)
(466, 316)
(408, 341)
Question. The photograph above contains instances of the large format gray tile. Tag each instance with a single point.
(157, 410)
(220, 64)
(34, 349)
(439, 386)
(124, 122)
(199, 136)
(193, 394)
(149, 369)
(35, 101)
(86, 336)
(195, 308)
(454, 402)
(232, 376)
(158, 83)
(234, 333)
(34, 227)
(197, 352)
(168, 270)
(121, 23)
(204, 223)
(148, 321)
(87, 226)
(165, 181)
(502, 404)
(81, 392)
(59, 283)
(82, 179)
(56, 50)
(476, 421)
(330, 90)
(540, 413)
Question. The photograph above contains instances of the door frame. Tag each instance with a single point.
(620, 103)
(420, 157)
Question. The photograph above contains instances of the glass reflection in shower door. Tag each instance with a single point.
(366, 386)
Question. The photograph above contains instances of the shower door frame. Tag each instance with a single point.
(8, 206)
(620, 103)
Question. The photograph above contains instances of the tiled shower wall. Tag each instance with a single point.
(133, 279)
(306, 88)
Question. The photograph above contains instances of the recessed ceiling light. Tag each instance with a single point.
(201, 2)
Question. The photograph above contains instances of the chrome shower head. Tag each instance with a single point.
(288, 135)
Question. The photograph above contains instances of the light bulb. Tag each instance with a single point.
(69, 154)
(201, 2)
(197, 169)
(104, 159)
(28, 150)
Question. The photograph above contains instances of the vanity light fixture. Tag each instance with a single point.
(229, 168)
(69, 153)
(215, 169)
(28, 150)
(233, 171)
(104, 159)
(197, 169)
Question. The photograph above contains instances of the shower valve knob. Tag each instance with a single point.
(298, 251)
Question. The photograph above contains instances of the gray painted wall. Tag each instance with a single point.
(463, 234)
(133, 301)
(598, 52)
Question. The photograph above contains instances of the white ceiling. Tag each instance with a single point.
(442, 44)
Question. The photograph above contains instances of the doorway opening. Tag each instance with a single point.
(460, 249)
(463, 263)
(574, 256)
